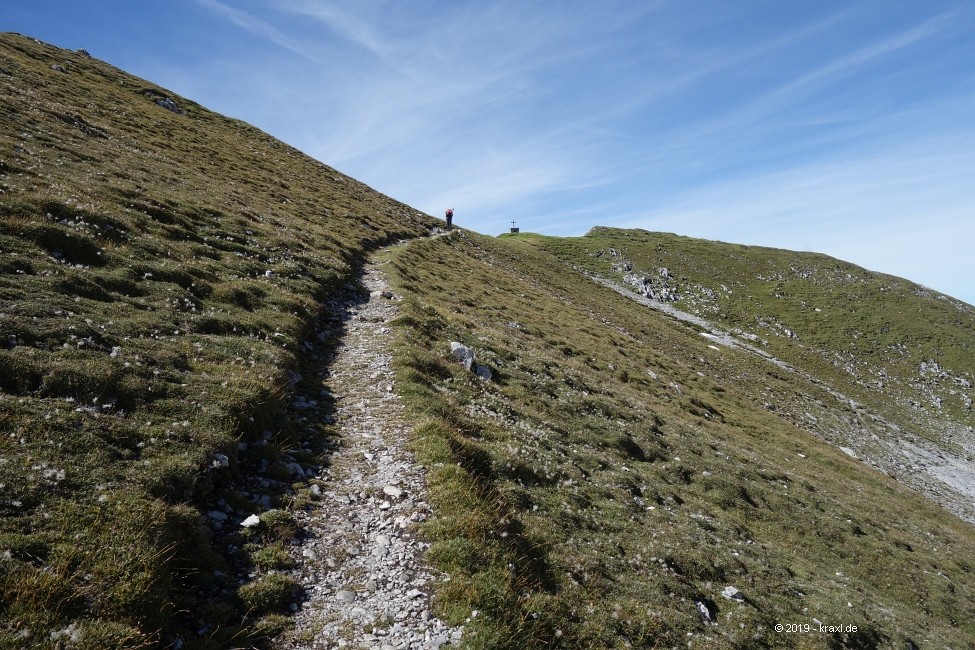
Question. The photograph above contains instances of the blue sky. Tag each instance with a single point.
(846, 128)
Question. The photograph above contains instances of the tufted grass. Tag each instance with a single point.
(158, 272)
(868, 332)
(617, 471)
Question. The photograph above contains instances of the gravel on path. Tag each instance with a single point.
(361, 562)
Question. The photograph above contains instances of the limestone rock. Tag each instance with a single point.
(466, 356)
(463, 354)
(483, 372)
(706, 614)
(733, 594)
(251, 521)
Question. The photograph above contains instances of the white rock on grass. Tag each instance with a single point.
(462, 353)
(733, 594)
(251, 521)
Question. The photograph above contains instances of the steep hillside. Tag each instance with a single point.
(624, 481)
(898, 354)
(612, 475)
(895, 340)
(160, 269)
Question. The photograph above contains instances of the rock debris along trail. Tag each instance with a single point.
(362, 563)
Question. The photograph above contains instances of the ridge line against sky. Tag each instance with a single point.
(828, 126)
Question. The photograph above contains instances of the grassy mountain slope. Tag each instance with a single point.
(621, 470)
(160, 267)
(901, 354)
(163, 269)
(870, 330)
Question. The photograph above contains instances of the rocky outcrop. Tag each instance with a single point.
(658, 288)
(466, 356)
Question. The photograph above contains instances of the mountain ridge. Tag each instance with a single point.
(642, 409)
(168, 278)
(954, 474)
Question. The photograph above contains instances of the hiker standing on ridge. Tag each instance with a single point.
(450, 218)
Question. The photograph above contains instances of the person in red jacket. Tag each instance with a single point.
(450, 218)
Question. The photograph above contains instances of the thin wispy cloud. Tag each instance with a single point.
(255, 26)
(742, 121)
(833, 72)
(889, 209)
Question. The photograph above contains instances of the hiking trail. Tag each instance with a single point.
(361, 560)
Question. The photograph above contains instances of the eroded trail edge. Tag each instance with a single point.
(361, 561)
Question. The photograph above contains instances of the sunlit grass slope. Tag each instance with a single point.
(620, 471)
(872, 334)
(159, 266)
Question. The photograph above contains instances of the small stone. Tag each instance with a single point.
(461, 351)
(170, 105)
(345, 596)
(251, 521)
(733, 594)
(705, 612)
(483, 372)
(393, 491)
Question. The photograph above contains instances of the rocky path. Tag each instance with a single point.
(362, 563)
